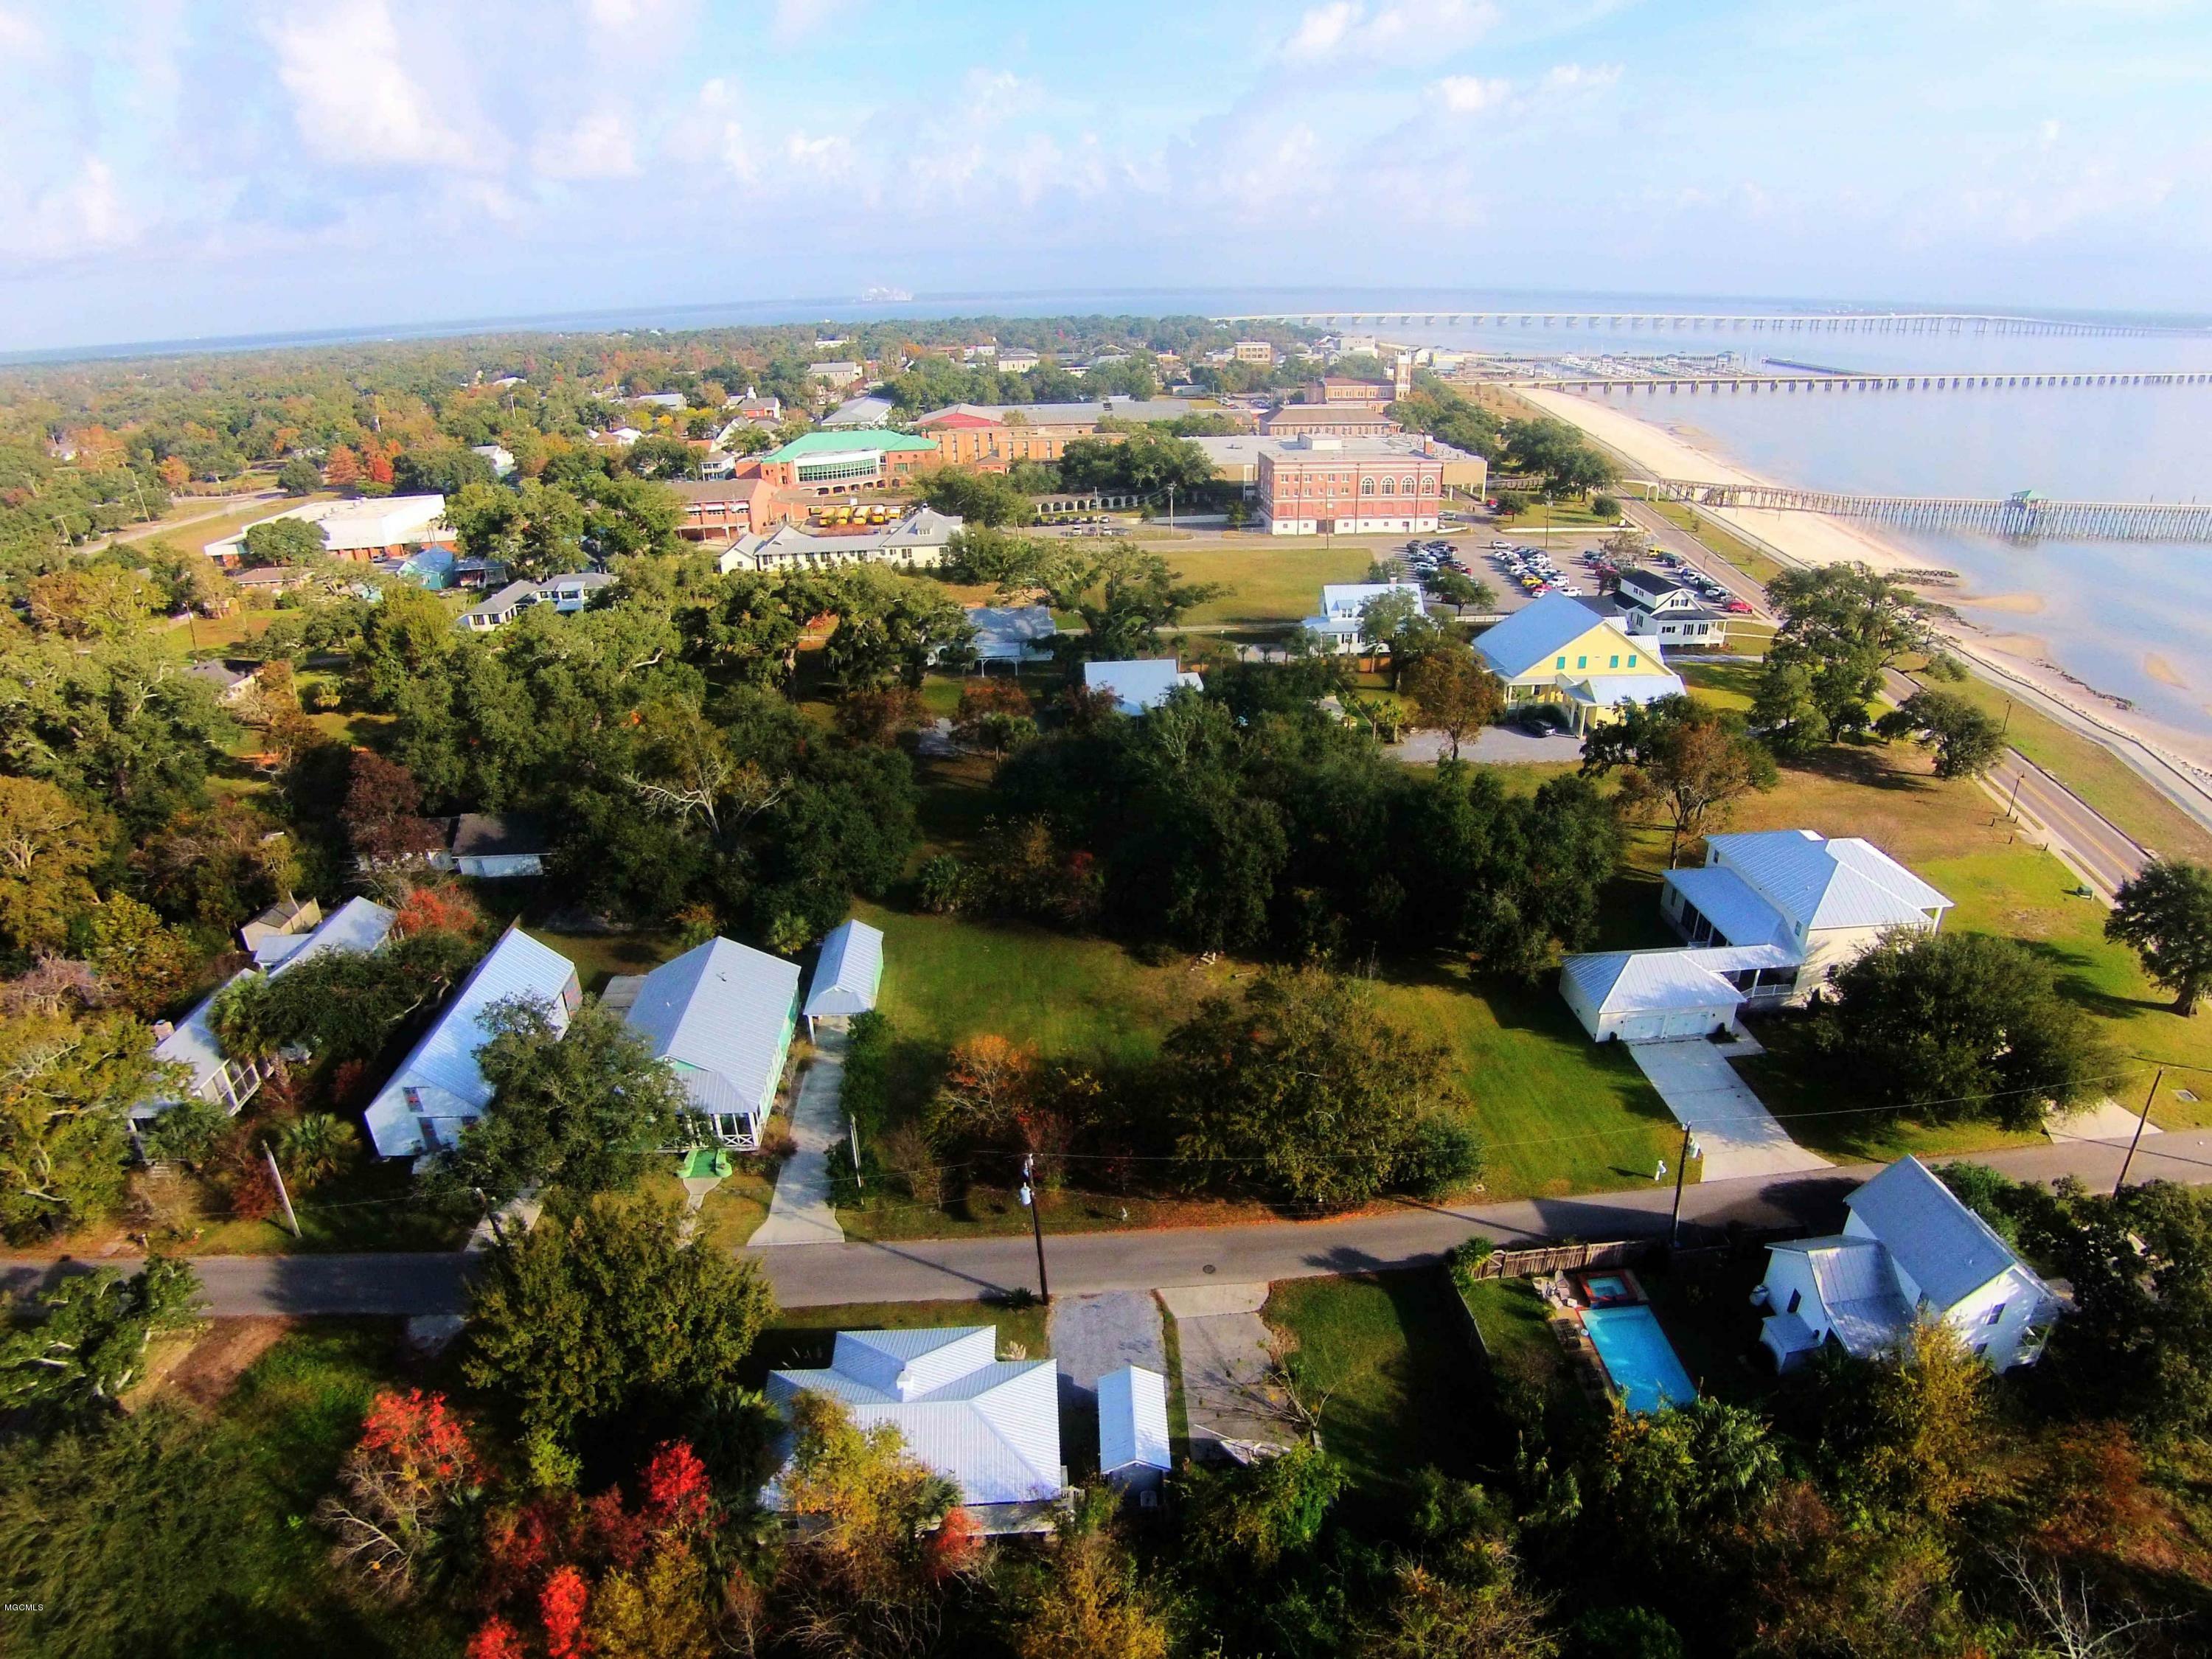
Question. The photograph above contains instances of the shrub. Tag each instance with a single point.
(1604, 507)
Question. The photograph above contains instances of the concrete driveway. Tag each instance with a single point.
(1740, 1136)
(1224, 1365)
(1494, 746)
(800, 1213)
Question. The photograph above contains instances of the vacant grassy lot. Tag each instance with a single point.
(1266, 584)
(372, 1205)
(1388, 1354)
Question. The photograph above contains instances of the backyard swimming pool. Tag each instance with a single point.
(1637, 1358)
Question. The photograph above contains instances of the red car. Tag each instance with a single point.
(1738, 607)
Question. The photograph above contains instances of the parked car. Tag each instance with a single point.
(1738, 607)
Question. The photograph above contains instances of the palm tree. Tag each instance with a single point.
(315, 1146)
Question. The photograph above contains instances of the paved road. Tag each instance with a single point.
(139, 533)
(2095, 847)
(1411, 1235)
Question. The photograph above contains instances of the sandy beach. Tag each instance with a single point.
(1810, 538)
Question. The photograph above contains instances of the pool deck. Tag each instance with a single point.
(1570, 1323)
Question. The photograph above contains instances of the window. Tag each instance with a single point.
(1407, 488)
(1428, 486)
(1795, 1297)
(1632, 660)
(1615, 663)
(1389, 486)
(1997, 1314)
(1582, 662)
(1367, 486)
(1562, 663)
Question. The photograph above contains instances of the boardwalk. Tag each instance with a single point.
(2022, 517)
(1863, 322)
(1841, 381)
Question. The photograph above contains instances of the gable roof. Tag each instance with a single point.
(358, 926)
(1649, 981)
(1521, 644)
(1818, 883)
(498, 834)
(721, 1013)
(1730, 902)
(1140, 683)
(1011, 626)
(989, 1426)
(1858, 1288)
(847, 972)
(1948, 1251)
(1133, 1420)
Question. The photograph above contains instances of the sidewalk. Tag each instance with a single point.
(799, 1213)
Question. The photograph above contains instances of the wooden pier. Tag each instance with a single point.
(2025, 516)
(1859, 322)
(1847, 382)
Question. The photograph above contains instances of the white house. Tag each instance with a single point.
(991, 1426)
(1137, 685)
(1133, 1429)
(495, 847)
(219, 1080)
(1909, 1251)
(916, 542)
(847, 975)
(1344, 604)
(1659, 607)
(722, 1014)
(570, 591)
(1011, 634)
(1768, 917)
(283, 928)
(438, 1090)
(502, 458)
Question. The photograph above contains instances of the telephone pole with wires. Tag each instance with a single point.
(1036, 1222)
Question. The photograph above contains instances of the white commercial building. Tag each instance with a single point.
(917, 541)
(387, 527)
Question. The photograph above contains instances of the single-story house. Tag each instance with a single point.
(567, 592)
(1140, 684)
(1343, 607)
(1558, 651)
(501, 459)
(1910, 1249)
(845, 975)
(991, 1426)
(1658, 607)
(438, 1090)
(216, 1078)
(494, 846)
(1769, 916)
(722, 1015)
(1133, 1429)
(917, 541)
(289, 919)
(1012, 633)
(230, 681)
(272, 579)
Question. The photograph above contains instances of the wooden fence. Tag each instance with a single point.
(1557, 1258)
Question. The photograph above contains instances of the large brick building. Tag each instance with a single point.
(999, 435)
(1327, 420)
(1312, 486)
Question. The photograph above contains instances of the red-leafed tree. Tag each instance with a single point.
(437, 908)
(402, 1492)
(561, 1607)
(956, 1545)
(383, 811)
(341, 468)
(496, 1639)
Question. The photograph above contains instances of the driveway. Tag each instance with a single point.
(1224, 1365)
(799, 1213)
(1494, 746)
(1703, 1091)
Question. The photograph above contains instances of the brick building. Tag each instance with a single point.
(1327, 420)
(1311, 486)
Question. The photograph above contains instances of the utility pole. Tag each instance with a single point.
(285, 1197)
(2135, 1141)
(1690, 1150)
(1037, 1223)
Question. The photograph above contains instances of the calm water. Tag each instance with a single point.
(2109, 607)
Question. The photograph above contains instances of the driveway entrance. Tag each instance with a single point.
(1740, 1136)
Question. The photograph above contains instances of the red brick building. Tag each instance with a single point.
(1312, 486)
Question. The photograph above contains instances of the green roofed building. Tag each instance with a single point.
(837, 463)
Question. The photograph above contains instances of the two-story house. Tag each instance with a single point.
(1653, 606)
(1910, 1250)
(1560, 652)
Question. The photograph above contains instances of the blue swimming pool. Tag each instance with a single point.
(1637, 1358)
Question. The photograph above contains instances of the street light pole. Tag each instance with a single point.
(1037, 1223)
(2135, 1140)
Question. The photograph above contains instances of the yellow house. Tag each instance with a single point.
(1560, 651)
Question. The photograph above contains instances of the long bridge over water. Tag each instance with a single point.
(1857, 322)
(1843, 381)
(2025, 516)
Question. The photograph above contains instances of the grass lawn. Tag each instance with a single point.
(1389, 1353)
(734, 1211)
(370, 1207)
(599, 956)
(1515, 1333)
(191, 1534)
(2091, 771)
(1729, 686)
(802, 1337)
(1267, 584)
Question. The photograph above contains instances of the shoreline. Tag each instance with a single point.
(2177, 763)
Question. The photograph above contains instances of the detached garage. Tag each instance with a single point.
(1647, 996)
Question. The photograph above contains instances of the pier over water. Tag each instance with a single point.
(2024, 516)
(1862, 322)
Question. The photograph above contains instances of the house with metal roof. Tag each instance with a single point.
(1661, 608)
(228, 1082)
(1133, 1429)
(722, 1015)
(1558, 651)
(845, 975)
(1140, 683)
(1013, 634)
(439, 1090)
(1909, 1251)
(917, 541)
(1344, 610)
(991, 1426)
(495, 846)
(1768, 917)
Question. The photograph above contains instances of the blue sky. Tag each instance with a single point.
(183, 167)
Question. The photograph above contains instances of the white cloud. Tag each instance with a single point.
(81, 214)
(20, 34)
(601, 145)
(1343, 30)
(352, 95)
(1580, 77)
(712, 135)
(1465, 95)
(830, 156)
(796, 19)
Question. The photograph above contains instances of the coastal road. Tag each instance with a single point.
(2100, 853)
(1408, 1236)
